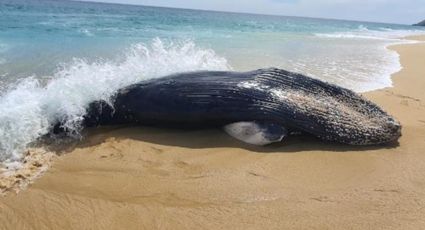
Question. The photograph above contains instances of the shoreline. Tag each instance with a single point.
(37, 160)
(182, 179)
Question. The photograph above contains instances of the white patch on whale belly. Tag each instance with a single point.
(251, 133)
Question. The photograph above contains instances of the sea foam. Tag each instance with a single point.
(29, 108)
(367, 67)
(362, 32)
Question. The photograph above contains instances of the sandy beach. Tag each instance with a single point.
(148, 178)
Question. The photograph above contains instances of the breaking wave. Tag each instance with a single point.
(30, 108)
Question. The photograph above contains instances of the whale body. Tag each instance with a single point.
(258, 107)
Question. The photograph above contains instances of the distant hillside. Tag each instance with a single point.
(420, 23)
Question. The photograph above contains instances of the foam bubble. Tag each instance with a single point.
(29, 109)
(86, 32)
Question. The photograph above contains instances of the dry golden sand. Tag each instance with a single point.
(146, 178)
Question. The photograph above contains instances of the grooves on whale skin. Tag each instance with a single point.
(259, 107)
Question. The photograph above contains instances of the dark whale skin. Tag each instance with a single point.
(217, 98)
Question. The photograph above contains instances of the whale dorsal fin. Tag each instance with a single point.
(256, 133)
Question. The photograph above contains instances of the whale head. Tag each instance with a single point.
(324, 110)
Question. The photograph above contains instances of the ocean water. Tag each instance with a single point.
(58, 56)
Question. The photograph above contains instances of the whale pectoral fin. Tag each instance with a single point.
(256, 133)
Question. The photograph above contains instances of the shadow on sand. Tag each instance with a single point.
(206, 138)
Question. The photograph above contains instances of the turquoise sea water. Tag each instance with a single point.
(57, 56)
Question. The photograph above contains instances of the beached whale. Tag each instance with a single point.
(258, 107)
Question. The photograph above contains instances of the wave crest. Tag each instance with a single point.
(29, 109)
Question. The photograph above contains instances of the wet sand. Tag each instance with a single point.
(147, 178)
